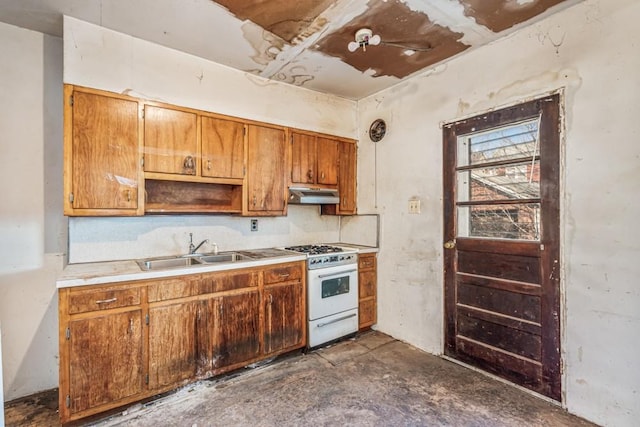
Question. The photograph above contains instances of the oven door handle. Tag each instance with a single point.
(322, 276)
(339, 319)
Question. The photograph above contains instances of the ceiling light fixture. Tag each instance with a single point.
(364, 37)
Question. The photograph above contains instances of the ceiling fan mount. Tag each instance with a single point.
(363, 38)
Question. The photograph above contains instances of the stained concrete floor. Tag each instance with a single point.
(373, 380)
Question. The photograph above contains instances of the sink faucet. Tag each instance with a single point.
(193, 248)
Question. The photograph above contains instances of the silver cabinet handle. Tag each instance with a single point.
(322, 276)
(106, 301)
(339, 319)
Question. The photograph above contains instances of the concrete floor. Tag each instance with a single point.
(371, 381)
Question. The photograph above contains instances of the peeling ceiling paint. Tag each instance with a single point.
(499, 15)
(304, 42)
(409, 31)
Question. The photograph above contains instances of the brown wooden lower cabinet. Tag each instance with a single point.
(123, 342)
(367, 290)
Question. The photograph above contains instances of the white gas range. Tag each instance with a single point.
(332, 292)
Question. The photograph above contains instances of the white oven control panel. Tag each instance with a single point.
(329, 260)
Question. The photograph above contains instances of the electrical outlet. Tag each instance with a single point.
(254, 225)
(414, 206)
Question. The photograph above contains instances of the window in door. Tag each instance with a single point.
(498, 179)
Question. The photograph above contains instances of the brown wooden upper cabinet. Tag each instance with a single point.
(170, 141)
(347, 178)
(347, 152)
(222, 148)
(102, 161)
(125, 156)
(266, 171)
(314, 160)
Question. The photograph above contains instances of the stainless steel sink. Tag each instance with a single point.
(166, 263)
(224, 257)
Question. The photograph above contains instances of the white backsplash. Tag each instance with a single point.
(107, 239)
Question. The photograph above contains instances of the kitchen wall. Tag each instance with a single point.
(590, 53)
(34, 231)
(32, 227)
(104, 59)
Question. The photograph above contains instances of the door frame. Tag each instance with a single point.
(551, 131)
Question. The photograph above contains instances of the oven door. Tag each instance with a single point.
(332, 290)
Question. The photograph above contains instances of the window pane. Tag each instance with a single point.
(511, 142)
(520, 221)
(516, 181)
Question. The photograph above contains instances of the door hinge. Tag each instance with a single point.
(561, 366)
(71, 100)
(146, 319)
(142, 161)
(67, 401)
(67, 334)
(244, 131)
(146, 379)
(71, 198)
(143, 109)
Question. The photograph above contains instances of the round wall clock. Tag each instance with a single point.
(377, 130)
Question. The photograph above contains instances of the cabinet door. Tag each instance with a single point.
(222, 148)
(105, 359)
(170, 141)
(347, 178)
(367, 284)
(284, 317)
(303, 158)
(327, 154)
(266, 181)
(172, 344)
(101, 155)
(237, 329)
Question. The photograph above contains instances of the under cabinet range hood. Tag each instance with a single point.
(313, 196)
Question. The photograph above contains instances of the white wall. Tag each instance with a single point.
(591, 52)
(32, 228)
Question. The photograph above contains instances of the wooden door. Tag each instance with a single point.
(173, 349)
(105, 359)
(102, 166)
(283, 316)
(501, 232)
(303, 158)
(170, 141)
(327, 158)
(266, 179)
(222, 148)
(237, 336)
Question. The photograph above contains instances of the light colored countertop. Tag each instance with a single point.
(97, 273)
(362, 249)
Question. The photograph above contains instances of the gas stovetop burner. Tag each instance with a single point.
(315, 249)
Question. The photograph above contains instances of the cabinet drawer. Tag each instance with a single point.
(283, 273)
(219, 282)
(367, 261)
(176, 288)
(82, 301)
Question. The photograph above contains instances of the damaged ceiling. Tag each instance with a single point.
(302, 42)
